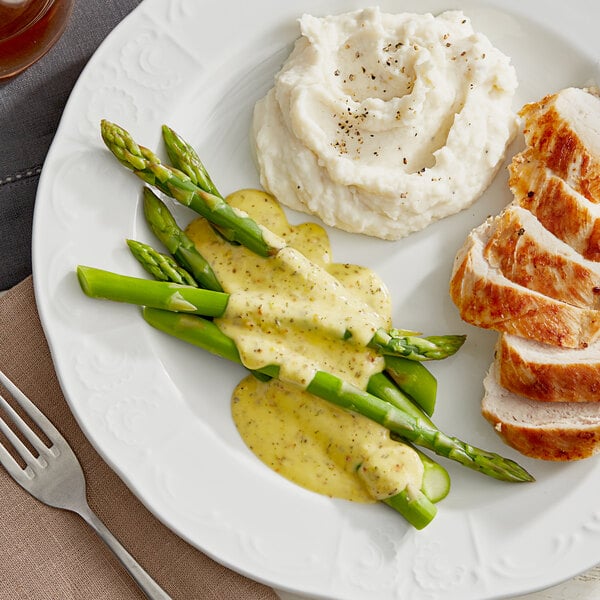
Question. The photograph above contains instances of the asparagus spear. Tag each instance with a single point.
(380, 382)
(239, 227)
(165, 228)
(416, 428)
(160, 266)
(436, 480)
(398, 342)
(423, 432)
(416, 506)
(98, 283)
(414, 379)
(233, 224)
(412, 504)
(184, 157)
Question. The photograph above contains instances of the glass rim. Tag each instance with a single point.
(39, 15)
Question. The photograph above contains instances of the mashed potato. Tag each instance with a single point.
(383, 123)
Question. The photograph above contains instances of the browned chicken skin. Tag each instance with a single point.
(532, 273)
(562, 210)
(563, 130)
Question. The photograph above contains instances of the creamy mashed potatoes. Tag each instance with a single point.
(383, 123)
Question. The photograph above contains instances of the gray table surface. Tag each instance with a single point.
(31, 105)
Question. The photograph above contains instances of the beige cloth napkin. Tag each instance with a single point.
(50, 554)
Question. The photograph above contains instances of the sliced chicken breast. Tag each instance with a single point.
(567, 214)
(546, 373)
(564, 129)
(530, 255)
(487, 299)
(556, 431)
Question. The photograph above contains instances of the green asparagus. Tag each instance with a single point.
(402, 399)
(416, 427)
(414, 380)
(414, 506)
(233, 224)
(424, 433)
(98, 283)
(165, 228)
(418, 506)
(241, 228)
(161, 266)
(184, 157)
(399, 399)
(436, 480)
(398, 342)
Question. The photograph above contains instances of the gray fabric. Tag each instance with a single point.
(30, 108)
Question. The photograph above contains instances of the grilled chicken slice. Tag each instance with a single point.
(557, 431)
(532, 273)
(528, 254)
(546, 373)
(562, 210)
(564, 129)
(487, 299)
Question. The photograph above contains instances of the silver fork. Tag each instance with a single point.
(55, 477)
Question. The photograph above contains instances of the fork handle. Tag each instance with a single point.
(150, 588)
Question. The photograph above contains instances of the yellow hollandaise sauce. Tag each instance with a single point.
(304, 313)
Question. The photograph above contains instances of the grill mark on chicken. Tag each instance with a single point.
(556, 127)
(528, 254)
(564, 212)
(487, 299)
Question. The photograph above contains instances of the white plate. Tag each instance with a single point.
(158, 410)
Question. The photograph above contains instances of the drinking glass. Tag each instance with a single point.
(28, 29)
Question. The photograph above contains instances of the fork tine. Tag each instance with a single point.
(18, 445)
(12, 466)
(36, 415)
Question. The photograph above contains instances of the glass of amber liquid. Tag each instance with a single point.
(28, 29)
